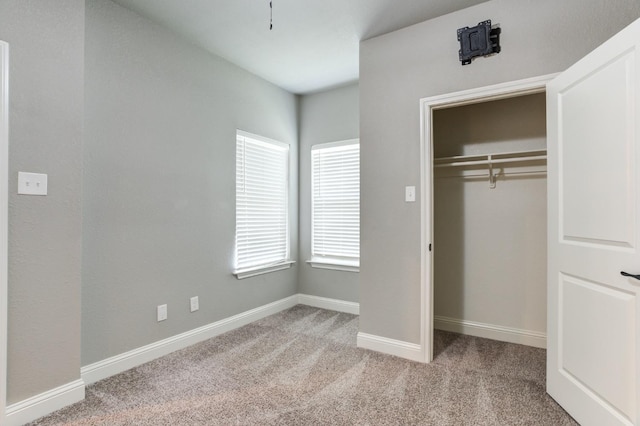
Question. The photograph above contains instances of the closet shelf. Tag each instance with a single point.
(490, 160)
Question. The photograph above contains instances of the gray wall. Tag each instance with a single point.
(328, 116)
(396, 70)
(46, 117)
(159, 182)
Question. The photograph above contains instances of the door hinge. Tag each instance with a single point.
(429, 246)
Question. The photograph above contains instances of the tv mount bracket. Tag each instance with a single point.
(481, 40)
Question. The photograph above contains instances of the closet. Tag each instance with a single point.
(490, 219)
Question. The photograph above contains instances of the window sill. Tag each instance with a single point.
(247, 273)
(334, 264)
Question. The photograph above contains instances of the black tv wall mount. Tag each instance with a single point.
(481, 40)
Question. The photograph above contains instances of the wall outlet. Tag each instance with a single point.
(195, 305)
(410, 194)
(32, 183)
(162, 312)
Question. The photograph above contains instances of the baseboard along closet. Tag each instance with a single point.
(490, 219)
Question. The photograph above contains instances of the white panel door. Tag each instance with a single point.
(593, 311)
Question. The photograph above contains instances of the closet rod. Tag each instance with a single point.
(513, 155)
(486, 175)
(492, 161)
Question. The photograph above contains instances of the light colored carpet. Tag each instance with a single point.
(302, 367)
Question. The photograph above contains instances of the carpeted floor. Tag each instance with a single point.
(302, 367)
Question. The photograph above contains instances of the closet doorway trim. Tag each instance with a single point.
(4, 196)
(427, 106)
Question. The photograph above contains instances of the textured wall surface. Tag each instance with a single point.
(400, 68)
(328, 116)
(46, 42)
(159, 182)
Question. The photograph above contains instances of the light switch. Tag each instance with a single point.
(162, 312)
(32, 183)
(195, 305)
(410, 194)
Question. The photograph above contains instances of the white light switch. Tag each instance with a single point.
(32, 183)
(195, 305)
(410, 194)
(162, 312)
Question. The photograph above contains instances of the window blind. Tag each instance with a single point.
(262, 186)
(335, 175)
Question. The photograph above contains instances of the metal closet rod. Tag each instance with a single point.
(489, 159)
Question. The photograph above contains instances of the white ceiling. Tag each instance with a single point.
(313, 44)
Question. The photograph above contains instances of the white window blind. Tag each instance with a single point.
(335, 175)
(262, 213)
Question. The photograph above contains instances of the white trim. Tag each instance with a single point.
(410, 351)
(119, 363)
(330, 304)
(47, 402)
(335, 265)
(427, 105)
(490, 331)
(247, 273)
(426, 234)
(494, 92)
(4, 195)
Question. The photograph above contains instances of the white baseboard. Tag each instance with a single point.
(330, 304)
(47, 402)
(410, 351)
(119, 363)
(490, 331)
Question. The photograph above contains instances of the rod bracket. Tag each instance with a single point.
(492, 176)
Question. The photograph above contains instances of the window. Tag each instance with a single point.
(335, 198)
(262, 205)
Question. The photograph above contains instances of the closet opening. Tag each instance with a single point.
(490, 220)
(485, 215)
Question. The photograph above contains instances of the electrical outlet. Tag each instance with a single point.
(195, 305)
(162, 312)
(32, 183)
(410, 194)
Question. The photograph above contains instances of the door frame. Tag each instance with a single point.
(4, 175)
(427, 106)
